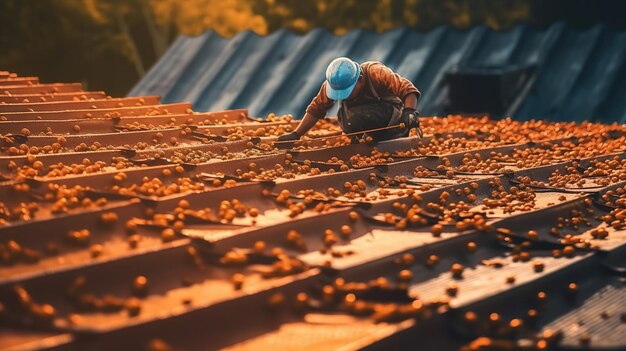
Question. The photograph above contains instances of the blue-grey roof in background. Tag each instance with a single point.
(581, 74)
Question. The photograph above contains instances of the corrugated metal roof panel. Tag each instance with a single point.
(578, 76)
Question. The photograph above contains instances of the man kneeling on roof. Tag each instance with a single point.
(371, 96)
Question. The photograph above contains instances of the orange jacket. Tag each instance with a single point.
(385, 82)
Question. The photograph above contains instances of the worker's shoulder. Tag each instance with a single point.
(374, 67)
(372, 64)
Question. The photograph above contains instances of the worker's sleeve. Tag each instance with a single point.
(320, 104)
(383, 76)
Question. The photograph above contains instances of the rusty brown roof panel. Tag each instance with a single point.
(59, 127)
(4, 75)
(56, 158)
(41, 88)
(19, 81)
(28, 234)
(79, 105)
(49, 97)
(105, 139)
(129, 123)
(113, 112)
(18, 339)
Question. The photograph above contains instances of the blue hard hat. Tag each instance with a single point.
(341, 77)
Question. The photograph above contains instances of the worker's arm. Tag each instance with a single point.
(410, 114)
(314, 112)
(308, 121)
(410, 101)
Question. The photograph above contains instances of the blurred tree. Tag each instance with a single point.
(57, 40)
(107, 44)
(192, 17)
(162, 19)
(382, 15)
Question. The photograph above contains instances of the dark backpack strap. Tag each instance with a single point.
(369, 83)
(390, 99)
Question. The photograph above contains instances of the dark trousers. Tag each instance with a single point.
(373, 115)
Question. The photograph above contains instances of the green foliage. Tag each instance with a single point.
(57, 40)
(382, 15)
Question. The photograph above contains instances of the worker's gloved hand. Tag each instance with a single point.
(411, 116)
(289, 137)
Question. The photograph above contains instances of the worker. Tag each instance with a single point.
(370, 95)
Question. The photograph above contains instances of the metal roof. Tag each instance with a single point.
(581, 73)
